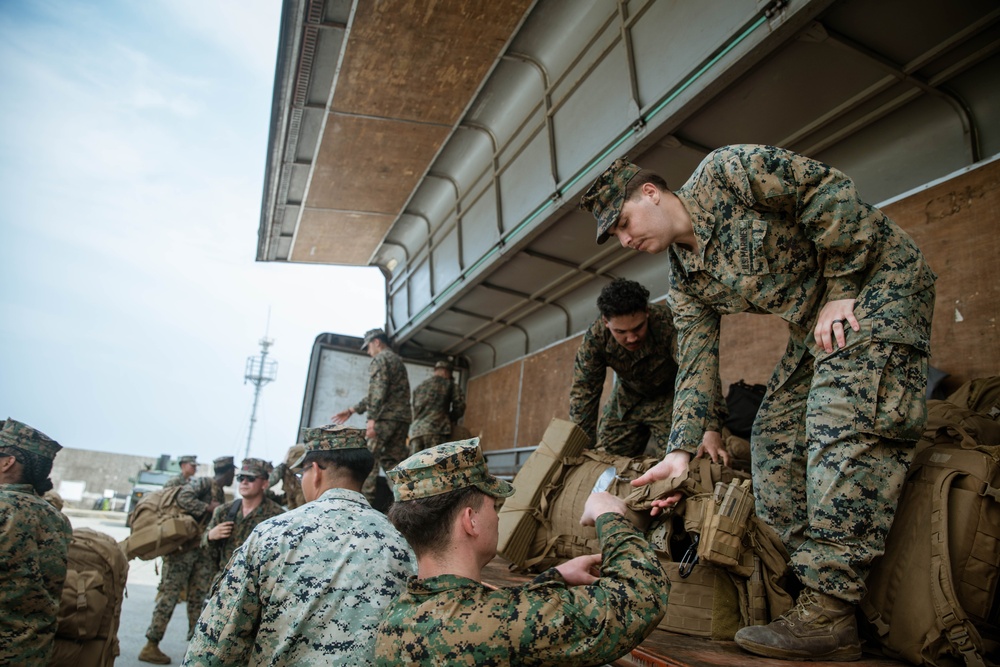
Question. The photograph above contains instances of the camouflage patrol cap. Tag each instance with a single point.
(371, 335)
(223, 463)
(188, 459)
(443, 364)
(605, 197)
(448, 467)
(255, 467)
(22, 436)
(329, 438)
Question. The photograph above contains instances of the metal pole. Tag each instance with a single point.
(259, 374)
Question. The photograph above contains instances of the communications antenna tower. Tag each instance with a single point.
(259, 371)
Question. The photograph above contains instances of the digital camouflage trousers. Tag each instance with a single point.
(644, 430)
(831, 447)
(188, 573)
(389, 447)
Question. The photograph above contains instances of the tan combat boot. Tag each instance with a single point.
(818, 627)
(151, 653)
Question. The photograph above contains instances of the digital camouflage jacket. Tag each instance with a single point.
(646, 374)
(779, 233)
(388, 389)
(437, 402)
(34, 541)
(196, 496)
(306, 588)
(451, 620)
(220, 551)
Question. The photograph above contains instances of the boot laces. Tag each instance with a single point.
(802, 606)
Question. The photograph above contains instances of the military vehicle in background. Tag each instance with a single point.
(149, 480)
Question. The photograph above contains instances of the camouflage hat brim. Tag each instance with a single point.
(255, 467)
(371, 335)
(496, 487)
(608, 218)
(447, 467)
(606, 196)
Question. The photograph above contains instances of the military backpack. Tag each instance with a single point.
(726, 568)
(560, 536)
(933, 597)
(91, 604)
(161, 527)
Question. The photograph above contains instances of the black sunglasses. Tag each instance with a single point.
(247, 478)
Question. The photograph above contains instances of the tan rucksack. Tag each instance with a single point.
(933, 597)
(90, 609)
(950, 422)
(560, 536)
(981, 395)
(725, 566)
(161, 527)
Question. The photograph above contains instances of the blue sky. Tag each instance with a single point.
(133, 137)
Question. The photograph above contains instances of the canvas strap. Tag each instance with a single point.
(955, 625)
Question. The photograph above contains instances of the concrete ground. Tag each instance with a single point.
(140, 595)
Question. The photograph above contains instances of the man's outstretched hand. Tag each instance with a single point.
(673, 464)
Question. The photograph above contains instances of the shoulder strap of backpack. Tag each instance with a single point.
(234, 509)
(955, 625)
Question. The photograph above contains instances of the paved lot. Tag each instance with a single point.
(140, 595)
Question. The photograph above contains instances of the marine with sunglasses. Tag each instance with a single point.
(232, 522)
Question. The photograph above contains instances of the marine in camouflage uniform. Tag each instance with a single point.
(189, 466)
(189, 572)
(438, 402)
(641, 401)
(241, 516)
(34, 541)
(776, 232)
(291, 491)
(308, 586)
(450, 618)
(387, 405)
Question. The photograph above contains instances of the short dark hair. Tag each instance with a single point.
(640, 179)
(426, 522)
(358, 462)
(622, 297)
(35, 469)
